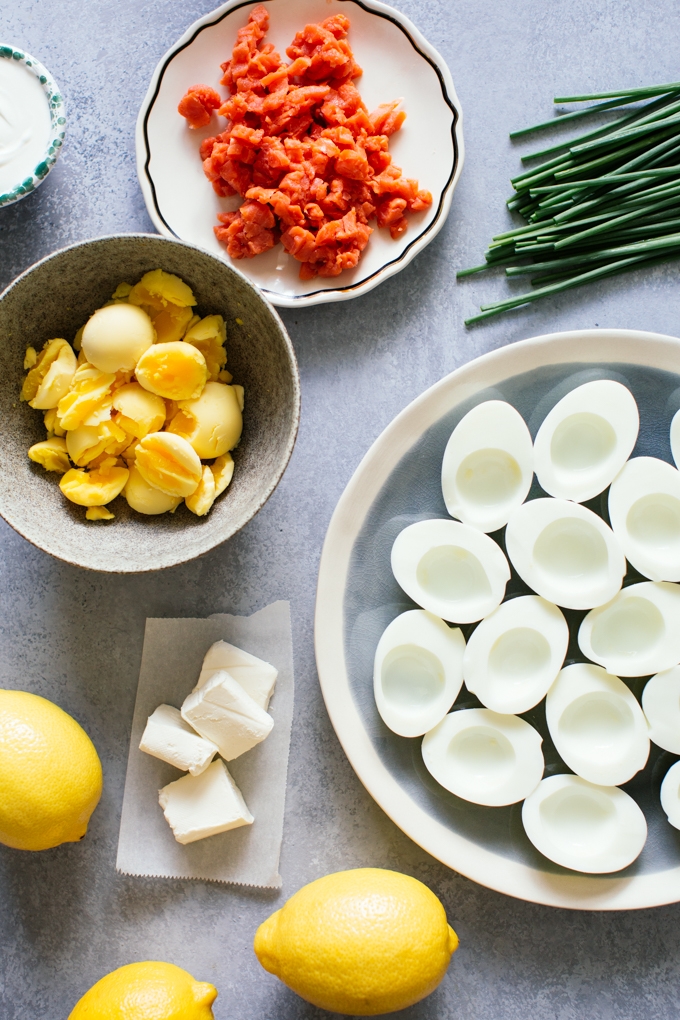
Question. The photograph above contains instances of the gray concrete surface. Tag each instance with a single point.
(66, 916)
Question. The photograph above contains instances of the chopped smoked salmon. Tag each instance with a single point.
(300, 147)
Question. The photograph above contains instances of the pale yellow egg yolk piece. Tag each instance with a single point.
(93, 488)
(116, 336)
(212, 423)
(169, 463)
(200, 501)
(209, 336)
(174, 370)
(141, 412)
(89, 389)
(51, 454)
(145, 498)
(51, 375)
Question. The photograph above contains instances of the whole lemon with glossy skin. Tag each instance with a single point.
(147, 991)
(360, 942)
(50, 774)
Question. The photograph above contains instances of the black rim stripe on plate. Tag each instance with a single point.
(446, 97)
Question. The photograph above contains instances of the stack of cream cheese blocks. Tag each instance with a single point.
(571, 559)
(225, 714)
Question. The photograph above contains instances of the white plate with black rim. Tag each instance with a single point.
(397, 483)
(397, 62)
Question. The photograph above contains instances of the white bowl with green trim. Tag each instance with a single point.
(32, 123)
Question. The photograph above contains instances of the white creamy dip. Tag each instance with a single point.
(25, 127)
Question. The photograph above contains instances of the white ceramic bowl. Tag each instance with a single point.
(397, 62)
(33, 162)
(357, 597)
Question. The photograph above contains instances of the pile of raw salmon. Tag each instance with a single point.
(301, 148)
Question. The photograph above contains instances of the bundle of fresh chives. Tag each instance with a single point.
(605, 202)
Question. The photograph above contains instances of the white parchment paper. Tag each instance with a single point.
(171, 661)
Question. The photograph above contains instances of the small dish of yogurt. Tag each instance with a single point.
(32, 123)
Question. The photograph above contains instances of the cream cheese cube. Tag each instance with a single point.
(221, 711)
(200, 806)
(169, 738)
(256, 677)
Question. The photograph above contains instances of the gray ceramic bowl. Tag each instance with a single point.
(54, 298)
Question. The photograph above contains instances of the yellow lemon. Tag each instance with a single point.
(359, 942)
(50, 774)
(147, 991)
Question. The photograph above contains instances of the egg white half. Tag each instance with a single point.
(565, 552)
(418, 672)
(644, 509)
(589, 828)
(637, 632)
(514, 655)
(586, 439)
(452, 570)
(488, 465)
(484, 757)
(670, 795)
(661, 705)
(597, 725)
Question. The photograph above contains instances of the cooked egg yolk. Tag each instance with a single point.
(159, 289)
(86, 443)
(145, 498)
(171, 323)
(98, 513)
(213, 423)
(209, 336)
(223, 472)
(169, 463)
(51, 375)
(116, 336)
(200, 501)
(140, 412)
(51, 454)
(89, 389)
(52, 423)
(93, 488)
(174, 370)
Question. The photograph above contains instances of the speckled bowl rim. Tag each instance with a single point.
(57, 121)
(295, 424)
(514, 878)
(346, 291)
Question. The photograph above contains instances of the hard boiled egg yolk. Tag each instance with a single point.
(145, 498)
(116, 336)
(213, 423)
(200, 501)
(223, 472)
(168, 462)
(209, 336)
(158, 290)
(140, 412)
(89, 389)
(51, 454)
(51, 375)
(86, 443)
(98, 513)
(93, 488)
(174, 370)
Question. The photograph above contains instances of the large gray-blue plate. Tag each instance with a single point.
(397, 483)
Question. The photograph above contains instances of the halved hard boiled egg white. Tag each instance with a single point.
(595, 829)
(488, 465)
(597, 725)
(418, 672)
(484, 757)
(661, 705)
(586, 439)
(452, 570)
(514, 655)
(637, 633)
(565, 552)
(644, 509)
(670, 795)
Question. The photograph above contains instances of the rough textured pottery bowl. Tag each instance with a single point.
(55, 297)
